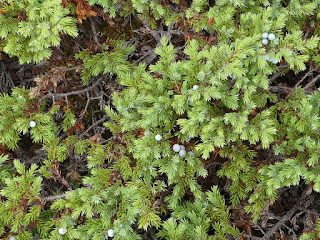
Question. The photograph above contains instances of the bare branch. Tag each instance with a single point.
(285, 89)
(310, 84)
(309, 73)
(94, 31)
(52, 198)
(95, 124)
(86, 107)
(285, 218)
(55, 95)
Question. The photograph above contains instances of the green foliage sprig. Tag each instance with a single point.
(30, 28)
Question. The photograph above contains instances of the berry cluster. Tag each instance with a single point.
(181, 150)
(267, 58)
(176, 147)
(158, 137)
(266, 36)
(265, 40)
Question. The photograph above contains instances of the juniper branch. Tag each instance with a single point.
(52, 198)
(309, 73)
(285, 218)
(312, 82)
(77, 92)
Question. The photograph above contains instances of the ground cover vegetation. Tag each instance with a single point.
(159, 119)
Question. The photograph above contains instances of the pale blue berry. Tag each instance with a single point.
(274, 61)
(32, 124)
(265, 41)
(176, 148)
(195, 87)
(191, 153)
(111, 233)
(182, 153)
(265, 35)
(271, 36)
(158, 137)
(201, 75)
(62, 231)
(147, 132)
(12, 238)
(182, 147)
(266, 57)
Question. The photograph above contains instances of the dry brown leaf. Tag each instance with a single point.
(35, 92)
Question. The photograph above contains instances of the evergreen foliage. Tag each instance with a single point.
(134, 182)
(29, 28)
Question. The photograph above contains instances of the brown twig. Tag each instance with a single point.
(280, 88)
(310, 84)
(94, 31)
(52, 198)
(93, 125)
(56, 174)
(309, 73)
(77, 92)
(285, 218)
(85, 108)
